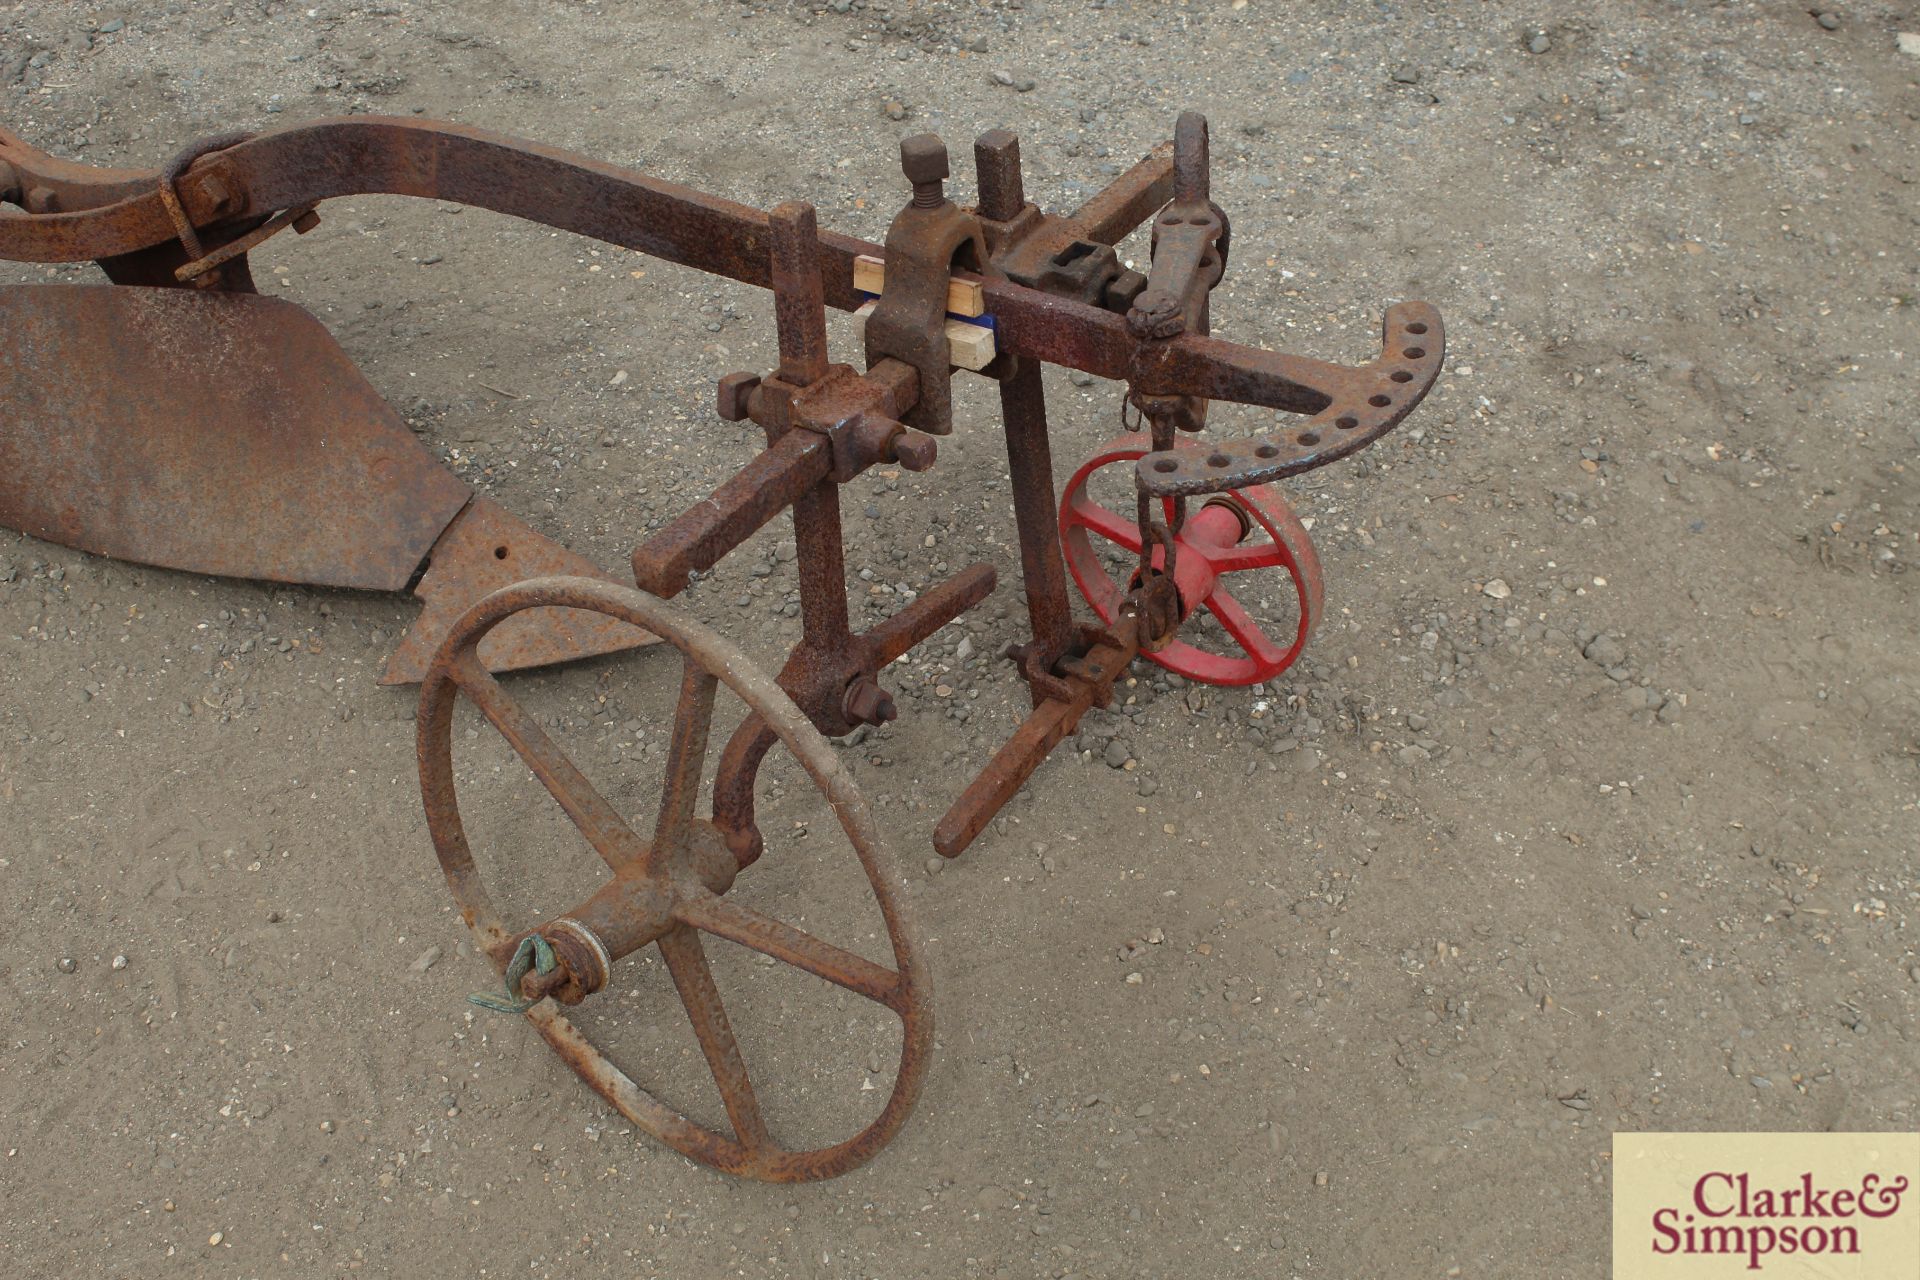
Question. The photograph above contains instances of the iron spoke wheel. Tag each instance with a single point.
(671, 889)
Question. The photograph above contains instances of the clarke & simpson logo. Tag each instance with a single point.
(1837, 1206)
(1727, 1215)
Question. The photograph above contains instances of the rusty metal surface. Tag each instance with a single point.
(216, 433)
(1055, 291)
(927, 240)
(798, 298)
(485, 548)
(1189, 250)
(207, 266)
(1056, 255)
(1091, 684)
(28, 167)
(302, 164)
(228, 434)
(824, 424)
(696, 540)
(669, 888)
(807, 406)
(823, 667)
(169, 188)
(1070, 257)
(1023, 410)
(1351, 409)
(1190, 238)
(1129, 200)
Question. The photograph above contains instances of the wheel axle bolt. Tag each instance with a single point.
(867, 703)
(538, 986)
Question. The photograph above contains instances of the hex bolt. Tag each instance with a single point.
(41, 200)
(735, 388)
(216, 193)
(538, 986)
(867, 703)
(923, 158)
(915, 450)
(305, 222)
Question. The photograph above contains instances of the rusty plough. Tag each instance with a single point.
(178, 418)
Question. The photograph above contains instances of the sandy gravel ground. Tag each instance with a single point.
(1592, 809)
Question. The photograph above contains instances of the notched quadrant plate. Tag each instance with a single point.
(1355, 407)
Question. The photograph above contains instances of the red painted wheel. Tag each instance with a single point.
(1210, 550)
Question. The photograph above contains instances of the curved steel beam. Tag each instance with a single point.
(104, 213)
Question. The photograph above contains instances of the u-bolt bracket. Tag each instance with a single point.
(926, 240)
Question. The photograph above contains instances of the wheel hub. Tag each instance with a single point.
(632, 911)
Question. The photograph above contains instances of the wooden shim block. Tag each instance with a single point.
(970, 346)
(964, 297)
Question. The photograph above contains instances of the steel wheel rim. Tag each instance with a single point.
(440, 693)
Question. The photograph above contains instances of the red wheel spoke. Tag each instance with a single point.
(597, 820)
(686, 757)
(1109, 525)
(693, 979)
(1264, 554)
(1240, 625)
(727, 919)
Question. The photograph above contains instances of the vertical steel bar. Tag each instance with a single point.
(686, 760)
(802, 321)
(1192, 166)
(996, 160)
(798, 310)
(823, 570)
(1023, 409)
